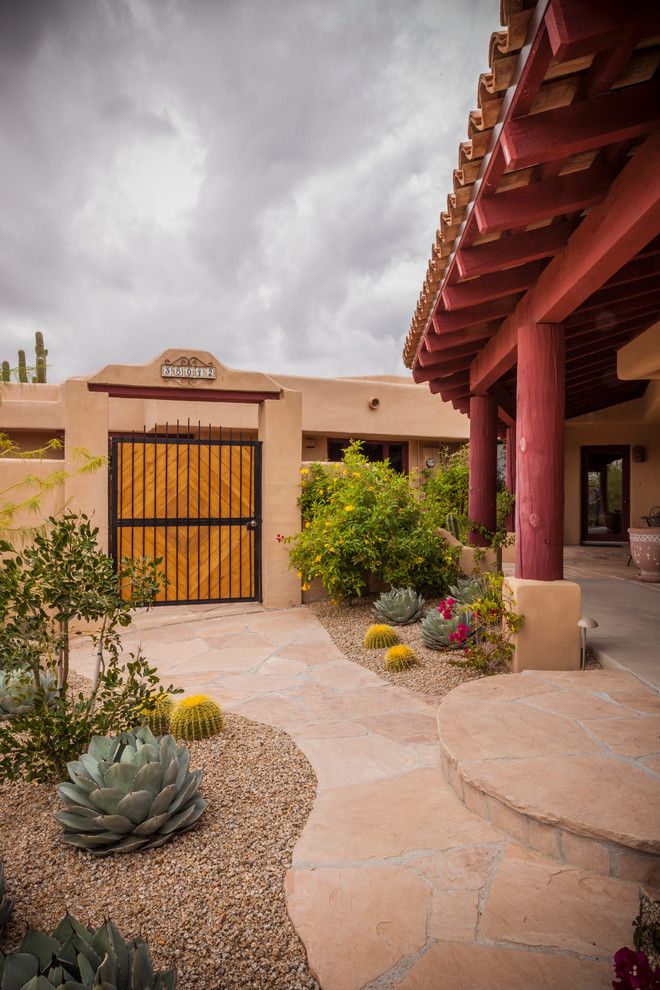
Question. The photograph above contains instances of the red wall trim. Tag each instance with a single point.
(182, 395)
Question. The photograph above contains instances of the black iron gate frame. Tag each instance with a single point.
(251, 523)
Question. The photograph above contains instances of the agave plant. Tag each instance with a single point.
(439, 633)
(129, 792)
(6, 905)
(18, 690)
(400, 606)
(78, 958)
(469, 589)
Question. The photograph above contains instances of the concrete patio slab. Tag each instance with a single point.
(397, 880)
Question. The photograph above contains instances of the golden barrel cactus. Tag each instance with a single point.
(196, 717)
(399, 658)
(380, 636)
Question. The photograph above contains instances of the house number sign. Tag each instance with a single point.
(187, 370)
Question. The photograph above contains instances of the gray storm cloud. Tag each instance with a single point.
(261, 180)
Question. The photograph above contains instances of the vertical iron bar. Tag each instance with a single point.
(188, 514)
(176, 589)
(210, 513)
(199, 506)
(144, 487)
(230, 589)
(166, 530)
(240, 509)
(253, 534)
(132, 495)
(257, 506)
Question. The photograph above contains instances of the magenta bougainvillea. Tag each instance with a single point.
(634, 972)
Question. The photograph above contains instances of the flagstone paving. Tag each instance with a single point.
(395, 881)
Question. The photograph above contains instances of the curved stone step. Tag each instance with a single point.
(566, 762)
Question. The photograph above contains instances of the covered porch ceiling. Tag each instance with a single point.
(555, 211)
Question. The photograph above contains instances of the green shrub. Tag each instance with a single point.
(446, 490)
(367, 519)
(494, 623)
(38, 744)
(80, 958)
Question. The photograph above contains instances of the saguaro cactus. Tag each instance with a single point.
(41, 355)
(40, 366)
(22, 367)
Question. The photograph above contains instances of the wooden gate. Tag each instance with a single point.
(196, 504)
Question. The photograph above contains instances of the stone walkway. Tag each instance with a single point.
(394, 882)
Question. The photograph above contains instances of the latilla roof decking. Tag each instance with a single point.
(518, 196)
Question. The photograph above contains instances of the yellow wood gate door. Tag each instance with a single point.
(195, 504)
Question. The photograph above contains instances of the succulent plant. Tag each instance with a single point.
(439, 633)
(400, 606)
(78, 958)
(196, 717)
(399, 658)
(18, 690)
(129, 792)
(6, 904)
(379, 636)
(469, 589)
(451, 525)
(158, 716)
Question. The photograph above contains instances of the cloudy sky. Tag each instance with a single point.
(258, 178)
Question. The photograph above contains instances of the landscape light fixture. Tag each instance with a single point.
(584, 624)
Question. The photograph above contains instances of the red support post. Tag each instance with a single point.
(482, 496)
(540, 453)
(510, 475)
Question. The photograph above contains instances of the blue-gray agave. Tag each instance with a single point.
(129, 792)
(18, 690)
(77, 958)
(6, 904)
(400, 606)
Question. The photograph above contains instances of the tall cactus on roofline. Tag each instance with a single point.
(22, 371)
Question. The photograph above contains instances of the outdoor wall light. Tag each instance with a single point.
(584, 624)
(430, 462)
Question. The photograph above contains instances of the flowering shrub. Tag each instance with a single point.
(493, 623)
(364, 519)
(634, 972)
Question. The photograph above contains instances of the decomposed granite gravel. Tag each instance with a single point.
(211, 902)
(434, 674)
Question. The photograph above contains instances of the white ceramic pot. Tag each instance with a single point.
(645, 551)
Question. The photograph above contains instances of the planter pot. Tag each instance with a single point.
(645, 551)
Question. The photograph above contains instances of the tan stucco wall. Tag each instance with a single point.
(623, 424)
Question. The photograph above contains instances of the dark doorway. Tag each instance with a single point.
(605, 494)
(373, 450)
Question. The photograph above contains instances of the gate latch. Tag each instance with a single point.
(252, 524)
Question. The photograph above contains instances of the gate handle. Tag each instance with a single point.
(252, 524)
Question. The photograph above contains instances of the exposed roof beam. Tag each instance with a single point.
(620, 115)
(613, 297)
(507, 252)
(428, 359)
(471, 316)
(582, 27)
(490, 287)
(608, 238)
(542, 200)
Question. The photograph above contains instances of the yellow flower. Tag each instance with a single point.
(371, 488)
(349, 508)
(366, 541)
(304, 470)
(306, 587)
(307, 525)
(316, 559)
(356, 474)
(299, 574)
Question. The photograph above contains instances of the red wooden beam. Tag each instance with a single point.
(496, 286)
(427, 359)
(479, 334)
(596, 330)
(581, 27)
(441, 369)
(543, 200)
(508, 252)
(439, 386)
(608, 238)
(641, 293)
(621, 115)
(469, 317)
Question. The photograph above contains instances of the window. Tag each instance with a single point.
(374, 450)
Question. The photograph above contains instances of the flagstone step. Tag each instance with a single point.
(567, 763)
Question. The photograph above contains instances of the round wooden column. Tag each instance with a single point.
(510, 476)
(540, 453)
(482, 497)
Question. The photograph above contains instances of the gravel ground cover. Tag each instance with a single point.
(434, 674)
(211, 902)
